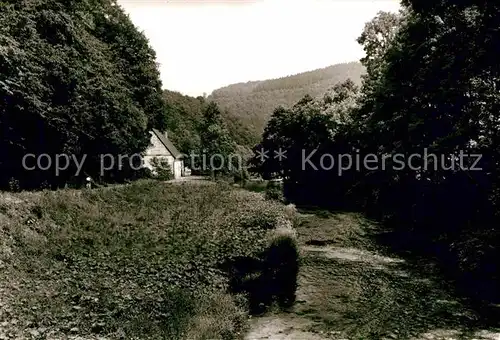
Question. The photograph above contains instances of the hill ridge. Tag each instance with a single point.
(256, 82)
(253, 102)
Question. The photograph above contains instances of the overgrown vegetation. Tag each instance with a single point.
(274, 191)
(143, 261)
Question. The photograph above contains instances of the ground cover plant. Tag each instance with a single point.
(146, 260)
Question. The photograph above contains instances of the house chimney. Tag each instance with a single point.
(166, 134)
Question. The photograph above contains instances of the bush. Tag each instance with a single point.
(14, 185)
(472, 262)
(161, 169)
(241, 176)
(274, 191)
(145, 260)
(282, 259)
(218, 317)
(256, 186)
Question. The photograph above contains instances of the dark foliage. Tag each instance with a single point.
(184, 114)
(77, 79)
(431, 88)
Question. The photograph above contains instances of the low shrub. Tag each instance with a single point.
(274, 192)
(282, 260)
(255, 186)
(161, 169)
(218, 316)
(144, 260)
(472, 262)
(291, 212)
(241, 176)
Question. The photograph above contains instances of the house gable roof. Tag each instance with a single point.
(168, 144)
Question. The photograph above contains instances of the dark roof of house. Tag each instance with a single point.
(168, 144)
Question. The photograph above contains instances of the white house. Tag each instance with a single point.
(162, 148)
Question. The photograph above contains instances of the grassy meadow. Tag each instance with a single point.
(142, 261)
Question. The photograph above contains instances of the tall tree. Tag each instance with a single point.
(217, 146)
(296, 138)
(77, 79)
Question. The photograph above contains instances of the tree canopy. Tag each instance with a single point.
(78, 79)
(217, 146)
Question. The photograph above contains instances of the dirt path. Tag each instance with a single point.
(348, 289)
(191, 180)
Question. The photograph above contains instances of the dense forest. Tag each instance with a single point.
(80, 81)
(184, 114)
(250, 104)
(428, 110)
(189, 120)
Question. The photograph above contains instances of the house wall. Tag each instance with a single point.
(178, 166)
(156, 147)
(158, 150)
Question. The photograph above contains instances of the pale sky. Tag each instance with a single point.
(202, 45)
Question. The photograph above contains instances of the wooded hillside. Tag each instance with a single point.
(184, 114)
(253, 102)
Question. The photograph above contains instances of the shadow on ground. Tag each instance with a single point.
(470, 292)
(350, 287)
